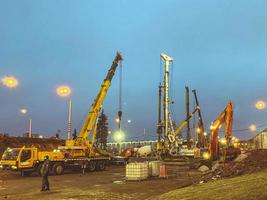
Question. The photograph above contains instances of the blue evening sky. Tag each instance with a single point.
(219, 48)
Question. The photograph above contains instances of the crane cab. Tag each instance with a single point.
(18, 158)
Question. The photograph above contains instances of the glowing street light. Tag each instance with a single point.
(252, 127)
(23, 111)
(129, 121)
(223, 141)
(117, 120)
(10, 81)
(119, 136)
(198, 130)
(260, 105)
(63, 91)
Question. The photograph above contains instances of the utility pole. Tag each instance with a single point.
(167, 60)
(188, 135)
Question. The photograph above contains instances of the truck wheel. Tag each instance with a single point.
(101, 166)
(58, 169)
(92, 166)
(25, 173)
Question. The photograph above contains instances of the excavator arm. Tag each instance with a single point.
(96, 106)
(226, 118)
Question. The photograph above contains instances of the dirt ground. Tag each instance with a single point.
(109, 184)
(248, 162)
(245, 187)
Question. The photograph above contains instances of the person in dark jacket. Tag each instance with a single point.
(44, 174)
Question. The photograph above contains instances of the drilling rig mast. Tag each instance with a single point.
(167, 59)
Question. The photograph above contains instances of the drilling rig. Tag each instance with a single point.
(168, 145)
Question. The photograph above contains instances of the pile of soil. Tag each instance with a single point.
(41, 143)
(252, 161)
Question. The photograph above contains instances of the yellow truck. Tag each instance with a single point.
(29, 159)
(78, 152)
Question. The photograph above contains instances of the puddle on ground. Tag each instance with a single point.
(119, 182)
(117, 174)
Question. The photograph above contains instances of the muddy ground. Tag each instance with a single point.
(109, 184)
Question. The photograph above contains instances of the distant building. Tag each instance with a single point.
(4, 135)
(247, 144)
(34, 135)
(131, 144)
(260, 140)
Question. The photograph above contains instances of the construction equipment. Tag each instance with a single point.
(200, 129)
(160, 123)
(187, 105)
(169, 144)
(175, 135)
(226, 150)
(76, 152)
(166, 101)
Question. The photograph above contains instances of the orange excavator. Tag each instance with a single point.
(227, 150)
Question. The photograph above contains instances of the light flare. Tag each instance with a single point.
(10, 81)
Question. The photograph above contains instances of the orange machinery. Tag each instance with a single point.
(226, 119)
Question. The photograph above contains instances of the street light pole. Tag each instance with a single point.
(65, 91)
(30, 128)
(70, 119)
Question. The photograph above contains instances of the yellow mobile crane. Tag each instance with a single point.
(79, 152)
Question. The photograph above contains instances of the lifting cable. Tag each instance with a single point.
(160, 71)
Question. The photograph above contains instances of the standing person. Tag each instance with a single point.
(83, 167)
(44, 174)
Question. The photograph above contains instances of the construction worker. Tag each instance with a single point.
(44, 174)
(83, 167)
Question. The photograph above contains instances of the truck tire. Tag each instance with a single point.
(58, 169)
(92, 166)
(101, 165)
(25, 173)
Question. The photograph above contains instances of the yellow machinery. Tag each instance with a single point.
(81, 146)
(173, 137)
(76, 153)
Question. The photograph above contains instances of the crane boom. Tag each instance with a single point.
(226, 118)
(96, 106)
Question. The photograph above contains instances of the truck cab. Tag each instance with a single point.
(18, 158)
